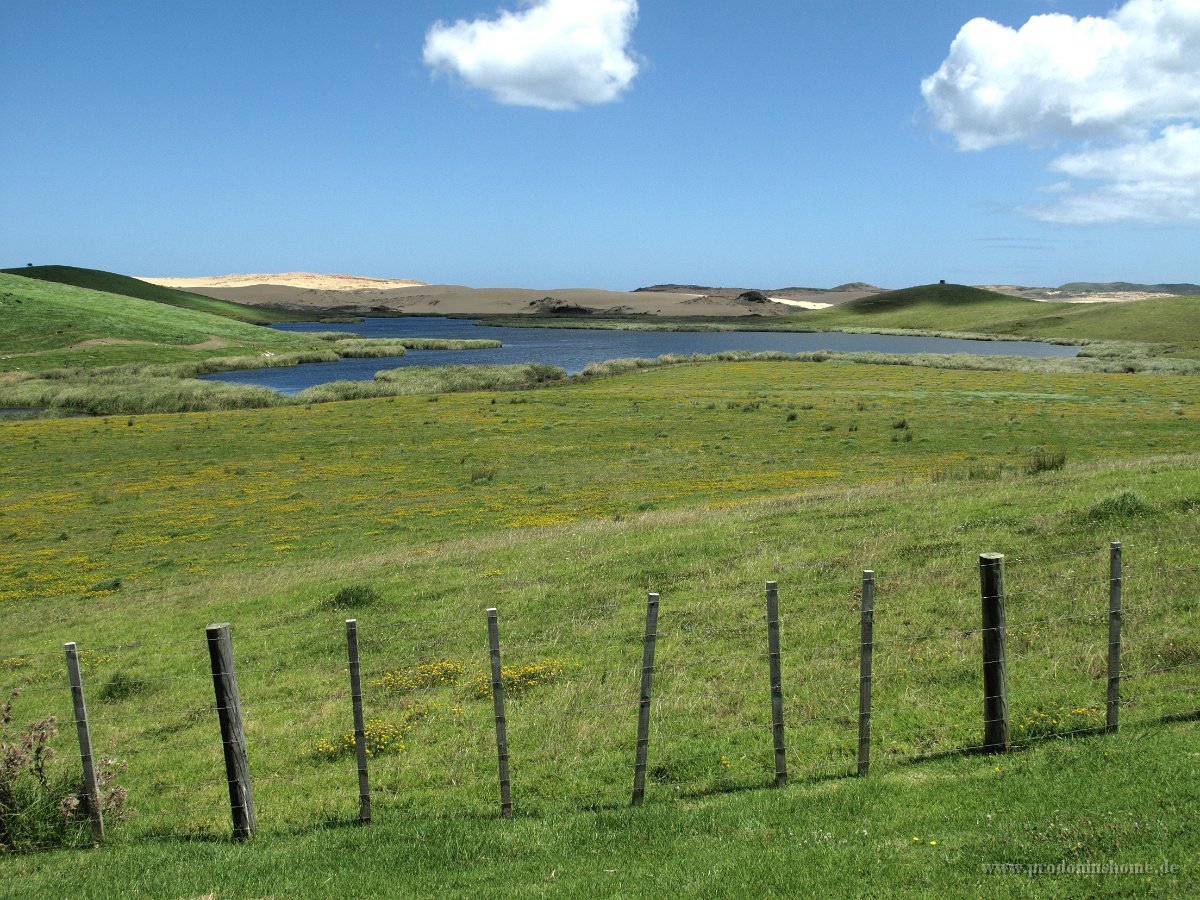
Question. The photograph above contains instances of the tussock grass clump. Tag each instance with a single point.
(1118, 508)
(445, 379)
(365, 348)
(355, 596)
(450, 343)
(482, 474)
(1043, 460)
(1174, 653)
(333, 391)
(120, 686)
(102, 394)
(259, 361)
(629, 364)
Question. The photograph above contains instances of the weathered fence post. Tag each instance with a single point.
(360, 728)
(498, 705)
(776, 684)
(866, 650)
(1115, 578)
(643, 733)
(233, 735)
(95, 810)
(995, 681)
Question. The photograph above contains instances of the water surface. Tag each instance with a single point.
(573, 348)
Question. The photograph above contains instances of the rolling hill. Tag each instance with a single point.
(112, 283)
(47, 324)
(954, 307)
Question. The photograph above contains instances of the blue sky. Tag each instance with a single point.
(768, 144)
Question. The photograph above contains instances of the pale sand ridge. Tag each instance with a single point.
(311, 280)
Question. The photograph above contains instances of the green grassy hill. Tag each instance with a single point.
(44, 324)
(955, 307)
(1168, 320)
(112, 283)
(932, 307)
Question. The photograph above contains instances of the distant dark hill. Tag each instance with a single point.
(788, 293)
(112, 283)
(925, 295)
(956, 307)
(1110, 287)
(939, 307)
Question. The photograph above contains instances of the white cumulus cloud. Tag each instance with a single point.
(1124, 88)
(553, 54)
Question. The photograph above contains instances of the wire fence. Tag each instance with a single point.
(573, 681)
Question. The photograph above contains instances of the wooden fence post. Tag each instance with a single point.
(1115, 579)
(498, 704)
(360, 728)
(776, 684)
(995, 681)
(95, 810)
(233, 735)
(643, 733)
(866, 650)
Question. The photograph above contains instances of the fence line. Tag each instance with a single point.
(716, 695)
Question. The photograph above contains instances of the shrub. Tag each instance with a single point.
(378, 736)
(39, 808)
(517, 680)
(423, 676)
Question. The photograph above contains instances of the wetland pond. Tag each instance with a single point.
(573, 348)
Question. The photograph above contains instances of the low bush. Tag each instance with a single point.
(379, 737)
(427, 675)
(40, 808)
(518, 680)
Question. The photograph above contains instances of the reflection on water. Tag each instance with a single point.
(574, 348)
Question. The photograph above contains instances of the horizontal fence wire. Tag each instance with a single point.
(573, 686)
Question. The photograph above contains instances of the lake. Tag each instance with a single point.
(573, 348)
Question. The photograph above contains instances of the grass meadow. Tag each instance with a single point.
(562, 507)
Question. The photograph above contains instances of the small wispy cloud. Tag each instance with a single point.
(1125, 89)
(552, 54)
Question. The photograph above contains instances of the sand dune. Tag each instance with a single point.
(359, 295)
(306, 280)
(347, 295)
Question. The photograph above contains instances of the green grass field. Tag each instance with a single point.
(562, 507)
(112, 283)
(442, 492)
